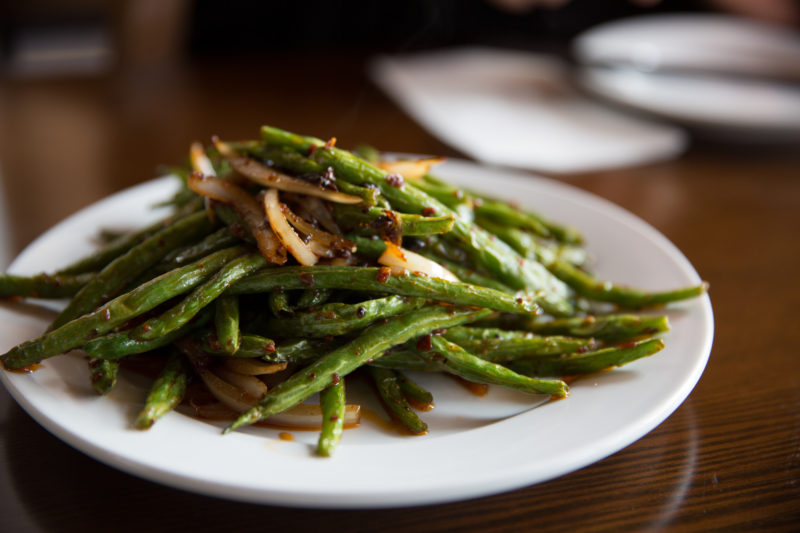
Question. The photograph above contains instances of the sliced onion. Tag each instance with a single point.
(215, 411)
(396, 257)
(249, 384)
(253, 367)
(284, 231)
(263, 175)
(200, 161)
(321, 242)
(317, 210)
(410, 170)
(247, 207)
(230, 395)
(225, 150)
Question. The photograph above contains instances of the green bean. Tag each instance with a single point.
(166, 392)
(117, 247)
(372, 280)
(339, 318)
(532, 247)
(300, 350)
(311, 298)
(604, 327)
(43, 285)
(103, 375)
(250, 347)
(338, 363)
(526, 244)
(120, 344)
(585, 363)
(466, 274)
(226, 323)
(332, 403)
(498, 345)
(109, 281)
(450, 196)
(367, 247)
(395, 402)
(200, 297)
(507, 215)
(222, 238)
(454, 359)
(278, 301)
(374, 219)
(236, 224)
(605, 291)
(276, 137)
(117, 311)
(218, 240)
(405, 358)
(370, 196)
(446, 250)
(420, 398)
(281, 157)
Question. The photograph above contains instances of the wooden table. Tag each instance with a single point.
(729, 457)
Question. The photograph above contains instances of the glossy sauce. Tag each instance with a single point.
(420, 406)
(478, 389)
(33, 367)
(390, 426)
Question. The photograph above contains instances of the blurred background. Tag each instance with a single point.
(95, 94)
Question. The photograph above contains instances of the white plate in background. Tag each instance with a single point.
(693, 42)
(711, 72)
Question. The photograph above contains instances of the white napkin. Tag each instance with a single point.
(516, 109)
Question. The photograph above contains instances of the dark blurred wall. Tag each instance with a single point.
(223, 27)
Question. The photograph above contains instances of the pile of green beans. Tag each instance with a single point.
(193, 292)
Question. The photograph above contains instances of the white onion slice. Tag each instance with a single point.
(249, 384)
(263, 175)
(230, 395)
(396, 257)
(225, 150)
(284, 231)
(321, 242)
(253, 367)
(410, 169)
(317, 210)
(247, 207)
(200, 161)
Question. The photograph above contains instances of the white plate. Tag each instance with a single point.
(695, 42)
(718, 74)
(747, 107)
(475, 447)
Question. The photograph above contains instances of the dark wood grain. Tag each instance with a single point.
(727, 459)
